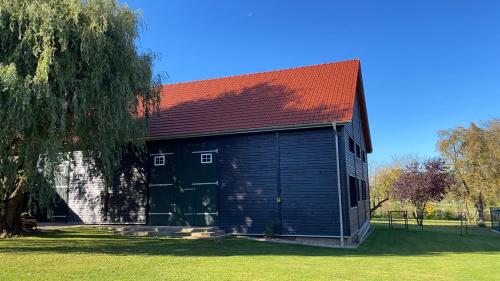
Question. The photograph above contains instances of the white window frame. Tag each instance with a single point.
(62, 168)
(161, 159)
(204, 161)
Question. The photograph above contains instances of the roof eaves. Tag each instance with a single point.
(364, 115)
(247, 131)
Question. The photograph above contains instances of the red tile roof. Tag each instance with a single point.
(298, 97)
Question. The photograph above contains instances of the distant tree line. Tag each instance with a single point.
(467, 171)
(473, 156)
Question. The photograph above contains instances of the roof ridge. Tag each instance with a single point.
(262, 72)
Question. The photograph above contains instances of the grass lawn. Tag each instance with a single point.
(438, 253)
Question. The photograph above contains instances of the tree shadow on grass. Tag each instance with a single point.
(382, 242)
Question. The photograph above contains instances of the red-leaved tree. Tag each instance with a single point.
(421, 184)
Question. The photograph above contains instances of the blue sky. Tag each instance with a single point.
(427, 65)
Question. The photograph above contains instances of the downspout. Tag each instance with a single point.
(334, 125)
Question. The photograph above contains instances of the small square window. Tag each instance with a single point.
(160, 160)
(351, 144)
(358, 151)
(62, 169)
(206, 158)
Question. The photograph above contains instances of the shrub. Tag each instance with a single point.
(270, 230)
(429, 210)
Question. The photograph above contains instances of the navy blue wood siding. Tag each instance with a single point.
(355, 167)
(125, 201)
(86, 194)
(254, 170)
(248, 185)
(89, 201)
(251, 168)
(343, 147)
(246, 168)
(308, 183)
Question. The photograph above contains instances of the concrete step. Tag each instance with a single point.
(153, 233)
(145, 228)
(210, 234)
(169, 231)
(134, 233)
(199, 229)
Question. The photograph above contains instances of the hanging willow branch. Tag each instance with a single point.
(71, 78)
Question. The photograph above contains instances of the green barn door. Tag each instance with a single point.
(197, 186)
(61, 189)
(184, 191)
(183, 187)
(162, 208)
(204, 183)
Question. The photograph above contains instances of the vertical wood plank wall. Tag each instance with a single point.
(283, 179)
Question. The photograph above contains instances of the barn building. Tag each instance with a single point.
(282, 150)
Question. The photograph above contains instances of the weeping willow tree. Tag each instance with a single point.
(71, 79)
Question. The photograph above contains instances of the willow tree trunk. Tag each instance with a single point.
(10, 220)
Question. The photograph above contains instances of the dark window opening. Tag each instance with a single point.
(363, 154)
(358, 194)
(353, 193)
(351, 144)
(363, 189)
(358, 151)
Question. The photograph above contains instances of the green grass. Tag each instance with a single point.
(438, 253)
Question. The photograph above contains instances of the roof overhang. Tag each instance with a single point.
(360, 96)
(247, 131)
